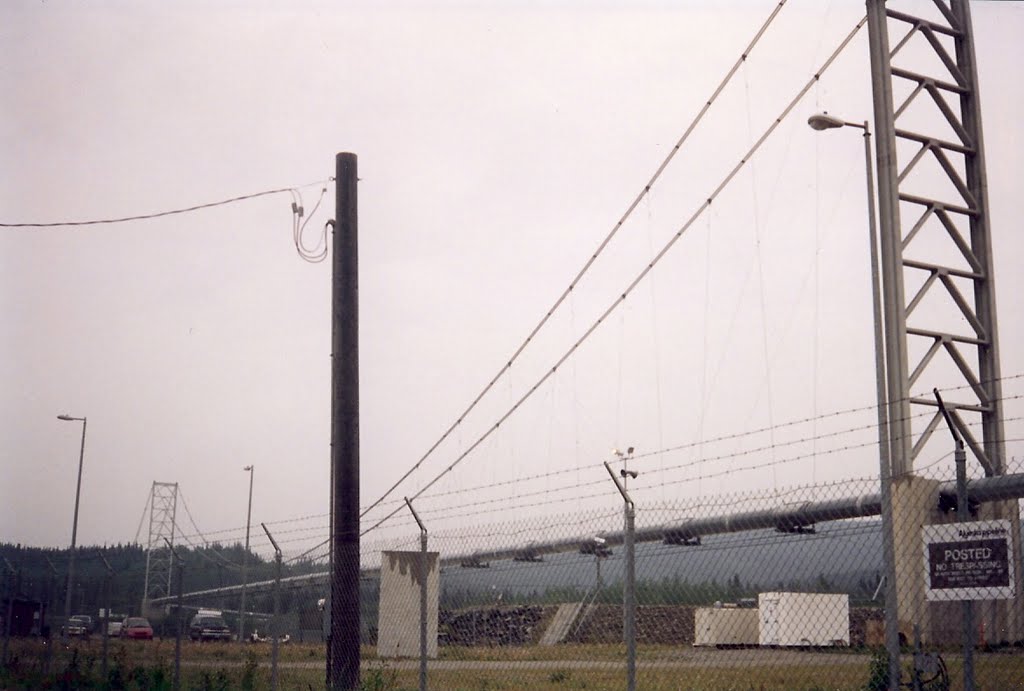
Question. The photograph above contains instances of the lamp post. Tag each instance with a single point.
(74, 527)
(824, 121)
(245, 559)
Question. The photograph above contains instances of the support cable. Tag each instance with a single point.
(206, 542)
(202, 550)
(142, 519)
(487, 507)
(618, 301)
(224, 534)
(586, 266)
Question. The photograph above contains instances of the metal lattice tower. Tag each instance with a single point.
(939, 291)
(163, 505)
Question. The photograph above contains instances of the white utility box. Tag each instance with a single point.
(717, 626)
(803, 619)
(398, 623)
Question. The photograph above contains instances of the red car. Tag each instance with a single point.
(137, 627)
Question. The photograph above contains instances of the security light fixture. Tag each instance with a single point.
(824, 121)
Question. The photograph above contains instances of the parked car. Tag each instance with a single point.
(114, 627)
(78, 625)
(209, 627)
(137, 627)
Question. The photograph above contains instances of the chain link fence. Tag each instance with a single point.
(782, 590)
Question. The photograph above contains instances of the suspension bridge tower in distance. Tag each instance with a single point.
(163, 505)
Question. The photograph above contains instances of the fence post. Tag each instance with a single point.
(105, 619)
(629, 591)
(274, 627)
(49, 608)
(177, 635)
(962, 511)
(9, 614)
(423, 596)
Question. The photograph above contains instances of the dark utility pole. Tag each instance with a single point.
(343, 641)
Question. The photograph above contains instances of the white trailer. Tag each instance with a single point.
(719, 626)
(803, 619)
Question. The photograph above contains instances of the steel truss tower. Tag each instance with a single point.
(938, 294)
(163, 506)
(938, 283)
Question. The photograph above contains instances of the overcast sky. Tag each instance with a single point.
(497, 144)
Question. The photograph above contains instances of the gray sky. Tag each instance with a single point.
(497, 145)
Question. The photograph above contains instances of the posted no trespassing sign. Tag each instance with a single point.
(969, 561)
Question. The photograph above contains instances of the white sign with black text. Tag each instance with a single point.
(969, 561)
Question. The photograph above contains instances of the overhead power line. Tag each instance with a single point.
(629, 289)
(160, 214)
(644, 191)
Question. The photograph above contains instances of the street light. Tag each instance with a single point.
(245, 559)
(74, 527)
(824, 121)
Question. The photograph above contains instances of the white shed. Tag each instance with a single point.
(714, 626)
(803, 619)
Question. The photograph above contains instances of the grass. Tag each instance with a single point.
(223, 666)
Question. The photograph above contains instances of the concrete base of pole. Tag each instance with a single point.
(914, 504)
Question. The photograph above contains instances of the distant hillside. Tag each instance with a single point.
(205, 567)
(843, 556)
